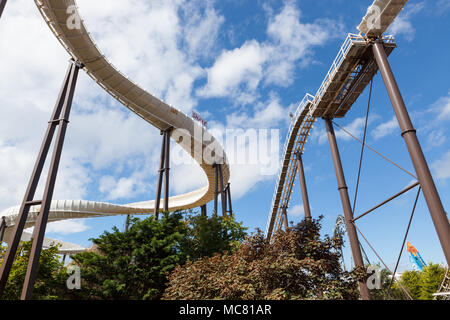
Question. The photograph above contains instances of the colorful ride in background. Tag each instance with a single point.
(415, 257)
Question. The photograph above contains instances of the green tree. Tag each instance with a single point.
(396, 293)
(296, 264)
(430, 280)
(132, 264)
(411, 282)
(209, 235)
(51, 278)
(421, 284)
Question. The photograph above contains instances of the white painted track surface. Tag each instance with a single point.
(386, 10)
(206, 151)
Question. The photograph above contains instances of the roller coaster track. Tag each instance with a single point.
(351, 71)
(82, 48)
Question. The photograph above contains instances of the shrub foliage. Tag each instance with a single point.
(296, 264)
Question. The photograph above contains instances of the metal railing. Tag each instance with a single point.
(307, 100)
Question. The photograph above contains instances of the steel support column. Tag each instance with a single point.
(346, 206)
(203, 210)
(60, 119)
(230, 208)
(2, 6)
(285, 218)
(408, 133)
(160, 175)
(219, 184)
(163, 172)
(2, 229)
(166, 170)
(222, 192)
(225, 193)
(301, 176)
(216, 189)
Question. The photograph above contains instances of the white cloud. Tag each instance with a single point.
(118, 188)
(109, 150)
(237, 73)
(167, 37)
(436, 137)
(292, 42)
(443, 5)
(102, 137)
(202, 28)
(296, 211)
(402, 25)
(240, 66)
(267, 114)
(442, 107)
(254, 154)
(187, 177)
(385, 129)
(441, 167)
(66, 227)
(356, 128)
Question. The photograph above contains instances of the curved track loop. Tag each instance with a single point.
(198, 142)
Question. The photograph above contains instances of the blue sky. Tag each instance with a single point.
(239, 64)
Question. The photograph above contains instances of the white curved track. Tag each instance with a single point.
(206, 151)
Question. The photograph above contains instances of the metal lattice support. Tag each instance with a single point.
(60, 119)
(408, 133)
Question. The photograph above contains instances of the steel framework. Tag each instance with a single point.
(358, 60)
(60, 119)
(81, 47)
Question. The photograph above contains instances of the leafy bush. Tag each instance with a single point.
(296, 264)
(51, 278)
